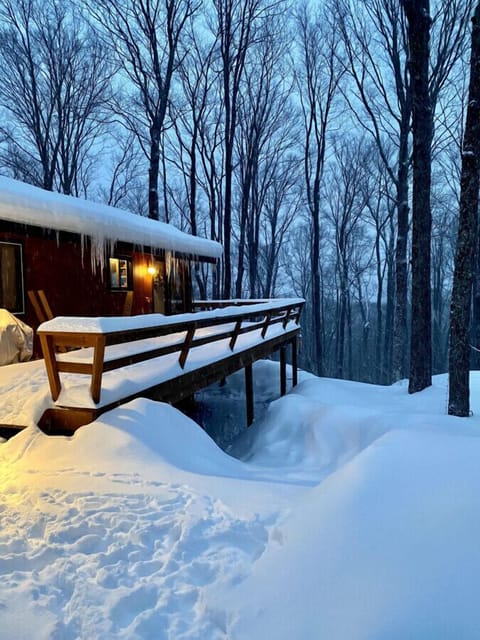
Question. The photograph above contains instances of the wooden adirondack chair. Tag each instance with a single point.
(40, 305)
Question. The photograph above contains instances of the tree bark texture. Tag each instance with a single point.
(400, 327)
(459, 355)
(418, 17)
(154, 172)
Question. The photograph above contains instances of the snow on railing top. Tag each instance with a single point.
(75, 324)
(101, 334)
(105, 225)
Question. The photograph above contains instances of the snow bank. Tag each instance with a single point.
(323, 423)
(386, 548)
(141, 435)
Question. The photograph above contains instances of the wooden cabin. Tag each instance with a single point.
(91, 259)
(81, 262)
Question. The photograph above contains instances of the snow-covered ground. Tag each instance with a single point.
(348, 511)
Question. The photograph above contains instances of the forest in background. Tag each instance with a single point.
(282, 129)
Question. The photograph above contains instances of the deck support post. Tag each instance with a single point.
(249, 393)
(283, 371)
(294, 362)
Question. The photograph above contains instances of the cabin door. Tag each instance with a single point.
(159, 288)
(179, 290)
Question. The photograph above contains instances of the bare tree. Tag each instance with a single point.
(145, 37)
(380, 207)
(419, 21)
(237, 24)
(459, 360)
(347, 199)
(54, 86)
(190, 117)
(318, 74)
(444, 231)
(210, 144)
(126, 159)
(282, 204)
(375, 39)
(374, 33)
(266, 133)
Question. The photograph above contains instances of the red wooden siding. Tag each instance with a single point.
(70, 284)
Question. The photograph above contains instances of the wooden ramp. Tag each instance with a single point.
(166, 359)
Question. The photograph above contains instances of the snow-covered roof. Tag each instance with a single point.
(105, 225)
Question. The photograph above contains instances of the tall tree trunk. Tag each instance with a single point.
(389, 311)
(316, 289)
(254, 236)
(245, 203)
(153, 173)
(241, 249)
(379, 313)
(400, 330)
(459, 357)
(348, 318)
(202, 291)
(418, 16)
(227, 216)
(475, 329)
(322, 73)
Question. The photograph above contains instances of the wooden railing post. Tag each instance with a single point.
(97, 367)
(186, 346)
(298, 313)
(235, 333)
(268, 317)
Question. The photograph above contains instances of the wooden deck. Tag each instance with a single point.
(164, 358)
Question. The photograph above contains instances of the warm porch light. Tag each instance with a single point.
(152, 270)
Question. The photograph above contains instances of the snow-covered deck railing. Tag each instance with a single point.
(110, 343)
(206, 305)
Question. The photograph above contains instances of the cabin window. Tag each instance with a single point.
(11, 277)
(120, 274)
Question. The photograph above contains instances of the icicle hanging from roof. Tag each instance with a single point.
(24, 204)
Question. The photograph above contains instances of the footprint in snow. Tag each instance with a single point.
(139, 563)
